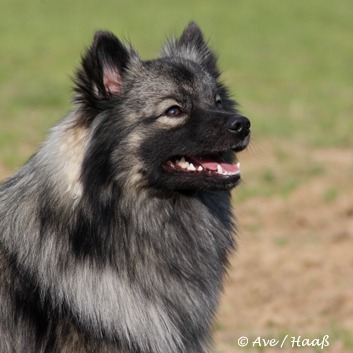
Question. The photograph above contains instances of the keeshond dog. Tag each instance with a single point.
(115, 235)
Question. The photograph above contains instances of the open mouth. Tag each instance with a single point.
(210, 165)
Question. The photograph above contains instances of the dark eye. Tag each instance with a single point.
(173, 112)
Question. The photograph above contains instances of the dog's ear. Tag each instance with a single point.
(192, 46)
(102, 70)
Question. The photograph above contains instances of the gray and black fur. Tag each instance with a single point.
(103, 248)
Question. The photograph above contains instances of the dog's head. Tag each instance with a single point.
(167, 123)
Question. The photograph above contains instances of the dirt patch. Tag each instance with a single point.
(4, 172)
(293, 271)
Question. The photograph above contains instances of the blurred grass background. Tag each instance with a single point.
(288, 63)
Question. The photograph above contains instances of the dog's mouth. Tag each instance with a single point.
(210, 165)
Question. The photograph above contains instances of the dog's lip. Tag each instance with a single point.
(207, 165)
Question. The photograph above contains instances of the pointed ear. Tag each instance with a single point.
(192, 46)
(102, 70)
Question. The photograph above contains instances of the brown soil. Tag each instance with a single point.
(293, 270)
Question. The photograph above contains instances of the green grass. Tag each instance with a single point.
(288, 63)
(330, 195)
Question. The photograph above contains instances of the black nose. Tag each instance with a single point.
(239, 125)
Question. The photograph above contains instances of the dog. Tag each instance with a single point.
(115, 235)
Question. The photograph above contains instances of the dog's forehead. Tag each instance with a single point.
(179, 76)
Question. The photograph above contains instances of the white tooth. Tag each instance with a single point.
(219, 169)
(191, 167)
(238, 165)
(200, 169)
(183, 163)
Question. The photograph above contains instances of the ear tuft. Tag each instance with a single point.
(192, 34)
(101, 75)
(192, 46)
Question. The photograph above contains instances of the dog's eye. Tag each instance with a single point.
(173, 112)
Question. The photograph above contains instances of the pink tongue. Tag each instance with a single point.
(212, 164)
(230, 168)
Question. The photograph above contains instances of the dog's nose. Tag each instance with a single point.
(239, 125)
